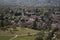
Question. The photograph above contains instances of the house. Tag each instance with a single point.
(18, 14)
(29, 14)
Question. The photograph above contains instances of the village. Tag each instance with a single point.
(30, 21)
(26, 17)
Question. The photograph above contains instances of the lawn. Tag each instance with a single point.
(57, 35)
(25, 38)
(24, 34)
(20, 31)
(5, 37)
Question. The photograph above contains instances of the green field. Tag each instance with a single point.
(23, 34)
(5, 37)
(20, 31)
(18, 38)
(25, 38)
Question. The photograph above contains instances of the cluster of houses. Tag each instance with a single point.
(26, 17)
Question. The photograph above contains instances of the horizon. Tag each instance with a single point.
(31, 2)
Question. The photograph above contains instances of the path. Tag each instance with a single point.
(14, 37)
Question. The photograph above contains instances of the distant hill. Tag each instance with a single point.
(31, 2)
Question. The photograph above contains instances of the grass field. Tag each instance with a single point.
(20, 31)
(23, 34)
(25, 38)
(57, 35)
(5, 37)
(18, 38)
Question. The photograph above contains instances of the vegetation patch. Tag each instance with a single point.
(25, 38)
(5, 37)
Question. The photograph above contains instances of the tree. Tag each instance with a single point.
(39, 38)
(35, 24)
(2, 21)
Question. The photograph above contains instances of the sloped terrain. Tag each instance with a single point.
(18, 31)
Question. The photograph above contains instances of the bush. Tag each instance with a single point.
(39, 38)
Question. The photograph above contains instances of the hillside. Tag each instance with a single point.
(18, 31)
